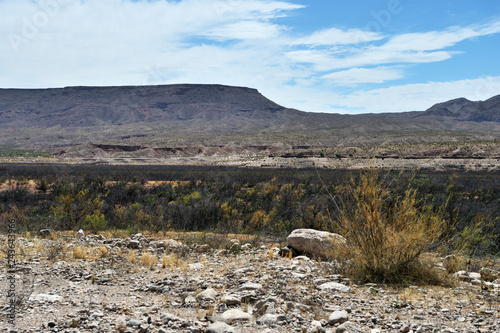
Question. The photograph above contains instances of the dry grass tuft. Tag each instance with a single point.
(55, 250)
(147, 259)
(80, 253)
(103, 251)
(131, 256)
(172, 261)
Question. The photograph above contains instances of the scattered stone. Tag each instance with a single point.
(222, 307)
(246, 247)
(250, 286)
(46, 298)
(334, 286)
(316, 327)
(271, 319)
(405, 328)
(208, 294)
(449, 330)
(202, 248)
(236, 315)
(319, 244)
(349, 327)
(338, 317)
(133, 323)
(231, 299)
(220, 327)
(195, 267)
(133, 244)
(44, 232)
(234, 248)
(167, 317)
(277, 294)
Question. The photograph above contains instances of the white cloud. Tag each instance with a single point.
(244, 30)
(421, 96)
(407, 48)
(437, 40)
(237, 42)
(324, 60)
(334, 36)
(356, 76)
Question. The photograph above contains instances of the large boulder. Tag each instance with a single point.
(319, 244)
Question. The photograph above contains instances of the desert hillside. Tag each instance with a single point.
(154, 124)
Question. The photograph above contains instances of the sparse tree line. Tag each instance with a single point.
(244, 200)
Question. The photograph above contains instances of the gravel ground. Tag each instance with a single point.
(97, 284)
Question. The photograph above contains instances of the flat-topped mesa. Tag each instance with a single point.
(96, 106)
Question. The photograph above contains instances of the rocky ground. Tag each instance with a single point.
(76, 283)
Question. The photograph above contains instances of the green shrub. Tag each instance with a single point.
(72, 210)
(95, 222)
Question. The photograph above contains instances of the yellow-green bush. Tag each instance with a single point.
(72, 210)
(95, 222)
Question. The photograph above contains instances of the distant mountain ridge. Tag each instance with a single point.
(464, 110)
(201, 116)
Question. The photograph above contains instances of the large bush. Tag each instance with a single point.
(386, 230)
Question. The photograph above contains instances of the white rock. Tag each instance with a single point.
(316, 327)
(271, 319)
(195, 267)
(207, 295)
(134, 244)
(316, 243)
(80, 234)
(349, 327)
(236, 315)
(477, 282)
(46, 298)
(334, 286)
(246, 247)
(167, 317)
(133, 323)
(299, 275)
(338, 317)
(220, 327)
(250, 286)
(231, 300)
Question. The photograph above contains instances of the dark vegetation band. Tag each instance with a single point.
(235, 200)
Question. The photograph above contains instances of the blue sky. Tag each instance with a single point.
(353, 56)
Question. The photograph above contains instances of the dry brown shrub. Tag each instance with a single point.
(386, 232)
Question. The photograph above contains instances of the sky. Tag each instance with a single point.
(337, 56)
